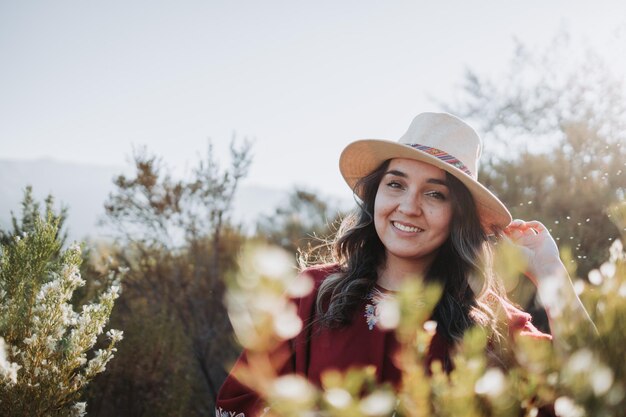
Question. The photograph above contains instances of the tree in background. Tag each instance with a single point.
(44, 342)
(555, 127)
(176, 238)
(304, 223)
(31, 212)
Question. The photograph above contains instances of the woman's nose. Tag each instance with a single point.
(411, 205)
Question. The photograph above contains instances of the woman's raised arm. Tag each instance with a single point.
(554, 286)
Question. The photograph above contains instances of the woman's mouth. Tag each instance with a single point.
(406, 228)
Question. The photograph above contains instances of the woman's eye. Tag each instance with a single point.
(437, 195)
(394, 184)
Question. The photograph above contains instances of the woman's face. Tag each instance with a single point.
(412, 211)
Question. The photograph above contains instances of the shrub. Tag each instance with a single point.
(46, 357)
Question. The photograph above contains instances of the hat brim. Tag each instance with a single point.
(362, 157)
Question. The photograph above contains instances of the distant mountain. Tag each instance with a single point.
(81, 187)
(84, 189)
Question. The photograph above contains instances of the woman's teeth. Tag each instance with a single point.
(406, 228)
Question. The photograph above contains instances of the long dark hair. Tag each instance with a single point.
(359, 252)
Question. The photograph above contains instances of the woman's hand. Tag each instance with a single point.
(550, 276)
(538, 246)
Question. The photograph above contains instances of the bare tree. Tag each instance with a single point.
(555, 137)
(178, 240)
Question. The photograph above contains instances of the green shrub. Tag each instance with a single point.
(46, 357)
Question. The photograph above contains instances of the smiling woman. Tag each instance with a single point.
(412, 214)
(421, 215)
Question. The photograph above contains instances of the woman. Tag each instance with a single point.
(422, 214)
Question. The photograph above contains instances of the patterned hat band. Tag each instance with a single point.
(444, 156)
(424, 140)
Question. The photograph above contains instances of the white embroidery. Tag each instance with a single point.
(223, 413)
(372, 315)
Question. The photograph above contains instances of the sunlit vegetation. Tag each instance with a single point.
(47, 335)
(555, 151)
(554, 125)
(583, 374)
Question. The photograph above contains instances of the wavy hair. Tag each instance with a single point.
(461, 265)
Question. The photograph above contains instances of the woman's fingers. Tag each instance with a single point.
(515, 233)
(516, 223)
(518, 228)
(538, 226)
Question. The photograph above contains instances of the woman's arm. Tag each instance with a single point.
(554, 286)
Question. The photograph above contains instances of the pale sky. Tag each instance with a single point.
(85, 81)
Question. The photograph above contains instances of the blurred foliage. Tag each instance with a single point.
(302, 225)
(585, 375)
(177, 240)
(554, 126)
(44, 342)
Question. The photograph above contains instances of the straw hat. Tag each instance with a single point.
(440, 139)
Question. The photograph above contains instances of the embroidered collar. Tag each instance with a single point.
(372, 314)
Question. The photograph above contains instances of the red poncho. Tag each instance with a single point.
(361, 343)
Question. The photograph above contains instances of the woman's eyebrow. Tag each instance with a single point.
(401, 174)
(396, 173)
(437, 181)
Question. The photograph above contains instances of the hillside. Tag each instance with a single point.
(84, 188)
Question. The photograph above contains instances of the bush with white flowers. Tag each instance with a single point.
(46, 356)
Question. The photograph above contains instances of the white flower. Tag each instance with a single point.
(287, 323)
(552, 378)
(114, 291)
(595, 277)
(98, 363)
(46, 292)
(293, 388)
(338, 398)
(115, 335)
(378, 403)
(8, 369)
(581, 361)
(566, 407)
(492, 383)
(75, 247)
(78, 409)
(388, 313)
(51, 343)
(267, 302)
(272, 262)
(608, 269)
(616, 251)
(579, 286)
(30, 340)
(300, 286)
(601, 379)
